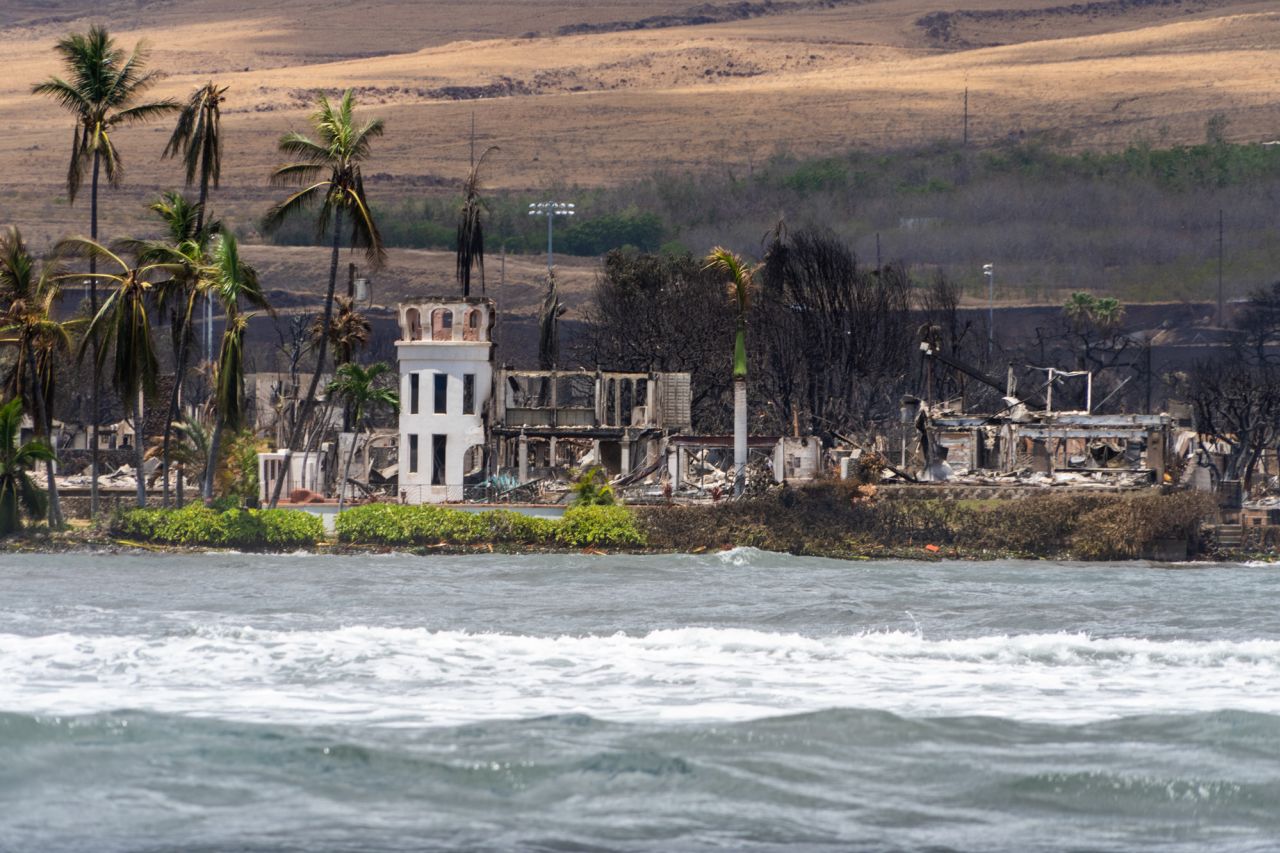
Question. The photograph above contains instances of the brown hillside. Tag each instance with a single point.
(589, 93)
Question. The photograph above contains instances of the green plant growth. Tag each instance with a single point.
(17, 490)
(591, 488)
(599, 526)
(402, 525)
(362, 390)
(198, 525)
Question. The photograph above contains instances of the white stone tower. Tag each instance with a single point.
(445, 353)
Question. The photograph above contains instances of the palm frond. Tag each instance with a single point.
(285, 210)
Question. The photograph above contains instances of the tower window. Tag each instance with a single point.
(468, 393)
(413, 454)
(442, 393)
(414, 395)
(438, 444)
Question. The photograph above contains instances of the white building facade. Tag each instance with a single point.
(445, 354)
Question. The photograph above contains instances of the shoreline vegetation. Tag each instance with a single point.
(826, 519)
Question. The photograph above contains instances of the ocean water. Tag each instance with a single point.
(736, 701)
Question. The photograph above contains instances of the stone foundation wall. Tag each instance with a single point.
(76, 504)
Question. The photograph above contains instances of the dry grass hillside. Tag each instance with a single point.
(595, 93)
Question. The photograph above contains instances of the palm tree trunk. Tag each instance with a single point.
(346, 472)
(179, 374)
(211, 469)
(93, 307)
(296, 432)
(137, 450)
(739, 435)
(37, 391)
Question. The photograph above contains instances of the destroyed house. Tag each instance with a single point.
(556, 418)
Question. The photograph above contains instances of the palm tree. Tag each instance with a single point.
(30, 326)
(471, 226)
(198, 138)
(1078, 309)
(122, 327)
(1107, 314)
(232, 281)
(740, 276)
(102, 88)
(186, 247)
(341, 148)
(17, 489)
(358, 387)
(189, 450)
(348, 332)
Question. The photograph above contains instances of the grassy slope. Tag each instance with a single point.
(605, 107)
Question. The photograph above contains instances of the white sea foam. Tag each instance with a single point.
(416, 676)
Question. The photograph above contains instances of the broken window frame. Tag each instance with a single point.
(468, 393)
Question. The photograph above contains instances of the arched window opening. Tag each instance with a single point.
(471, 328)
(442, 325)
(413, 324)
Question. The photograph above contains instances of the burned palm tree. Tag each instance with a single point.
(549, 325)
(471, 226)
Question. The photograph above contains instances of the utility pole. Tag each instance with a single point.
(1220, 232)
(989, 271)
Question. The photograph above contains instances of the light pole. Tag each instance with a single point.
(989, 271)
(550, 209)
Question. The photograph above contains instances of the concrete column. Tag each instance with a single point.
(739, 435)
(524, 458)
(1156, 454)
(675, 467)
(625, 447)
(552, 460)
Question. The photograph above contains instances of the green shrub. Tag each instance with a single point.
(610, 526)
(399, 524)
(196, 524)
(519, 529)
(395, 524)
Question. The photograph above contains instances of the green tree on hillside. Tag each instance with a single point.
(340, 150)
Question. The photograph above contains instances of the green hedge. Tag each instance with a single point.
(234, 528)
(398, 524)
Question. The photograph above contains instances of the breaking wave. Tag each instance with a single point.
(416, 676)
